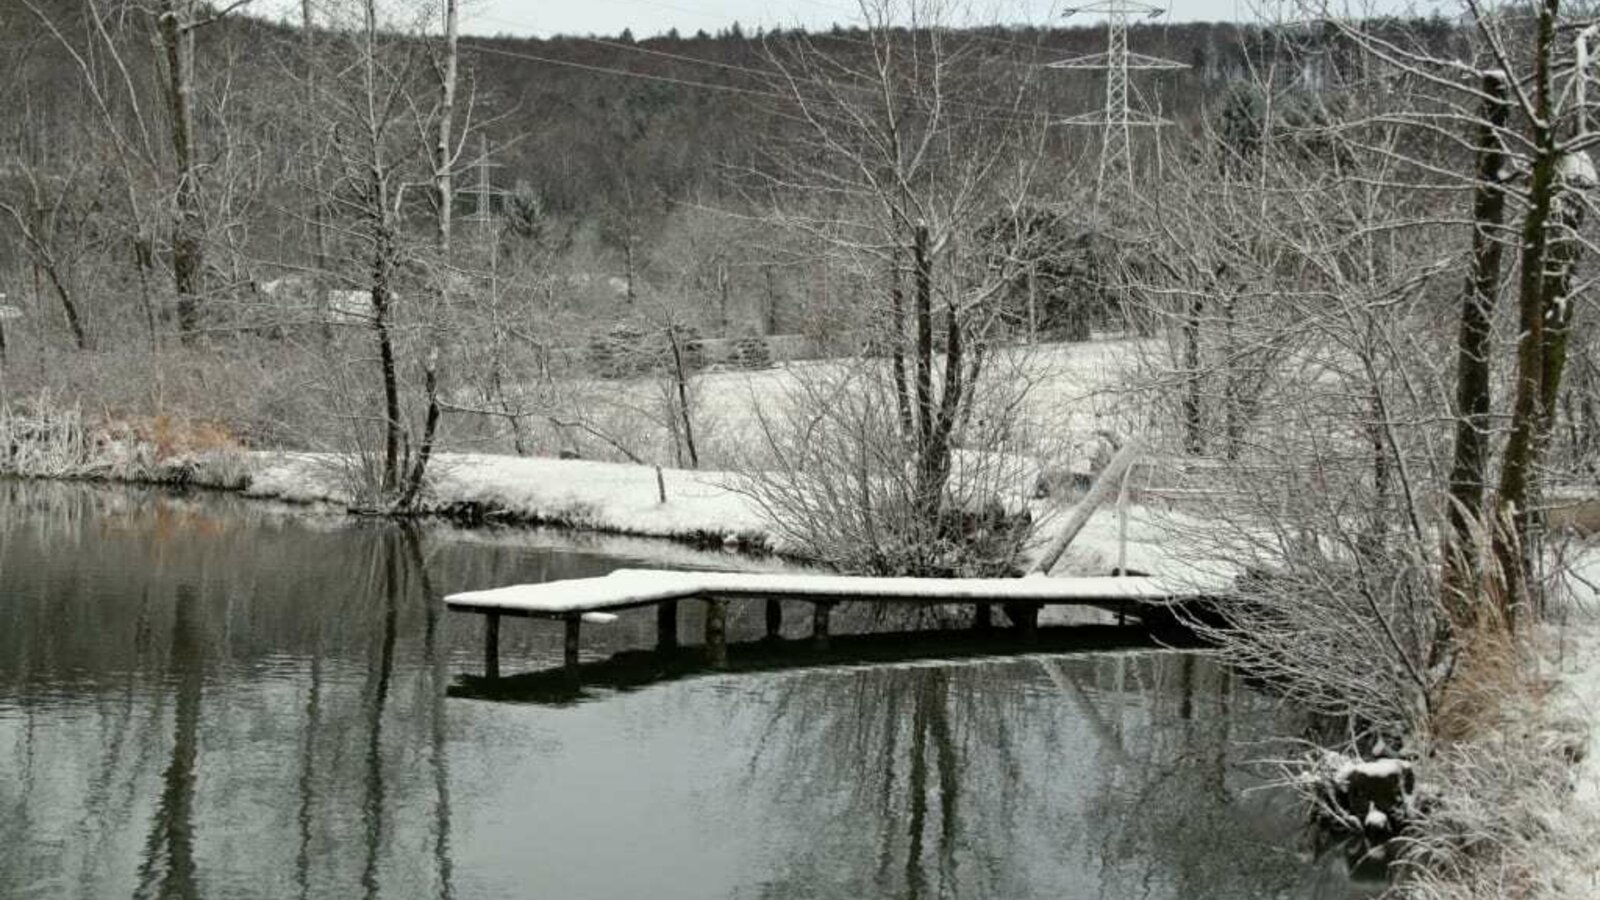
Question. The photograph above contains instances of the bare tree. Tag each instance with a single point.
(909, 149)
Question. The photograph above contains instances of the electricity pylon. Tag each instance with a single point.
(1120, 115)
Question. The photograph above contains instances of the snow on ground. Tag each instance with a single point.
(1578, 675)
(1580, 664)
(602, 496)
(637, 587)
(1069, 399)
(623, 498)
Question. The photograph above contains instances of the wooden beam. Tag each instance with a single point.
(983, 617)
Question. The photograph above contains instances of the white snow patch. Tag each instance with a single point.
(637, 587)
(1375, 820)
(1577, 168)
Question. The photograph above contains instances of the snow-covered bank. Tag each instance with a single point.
(702, 507)
(597, 496)
(1578, 677)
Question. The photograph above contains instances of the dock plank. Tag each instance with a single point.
(628, 588)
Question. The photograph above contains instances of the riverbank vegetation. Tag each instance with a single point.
(852, 296)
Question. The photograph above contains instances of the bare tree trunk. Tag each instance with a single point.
(769, 311)
(922, 302)
(1561, 259)
(928, 493)
(383, 268)
(430, 426)
(1193, 433)
(319, 225)
(681, 383)
(43, 258)
(1233, 412)
(1521, 455)
(897, 348)
(444, 160)
(444, 157)
(722, 296)
(1474, 346)
(627, 260)
(144, 263)
(176, 29)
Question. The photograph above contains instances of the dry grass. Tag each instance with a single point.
(1492, 671)
(1496, 812)
(170, 436)
(47, 438)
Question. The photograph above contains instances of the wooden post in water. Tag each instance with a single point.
(666, 624)
(983, 617)
(1026, 616)
(819, 622)
(774, 618)
(491, 645)
(717, 631)
(570, 649)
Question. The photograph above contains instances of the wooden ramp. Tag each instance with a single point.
(593, 599)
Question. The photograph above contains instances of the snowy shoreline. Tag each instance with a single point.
(582, 495)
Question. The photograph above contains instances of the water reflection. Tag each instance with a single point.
(1140, 793)
(199, 698)
(168, 870)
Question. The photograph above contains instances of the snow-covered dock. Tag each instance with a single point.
(589, 599)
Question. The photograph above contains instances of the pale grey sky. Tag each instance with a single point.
(651, 17)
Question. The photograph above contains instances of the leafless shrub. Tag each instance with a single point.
(839, 484)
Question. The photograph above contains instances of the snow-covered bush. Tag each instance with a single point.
(839, 483)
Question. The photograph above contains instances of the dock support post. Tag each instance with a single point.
(1026, 615)
(491, 645)
(666, 624)
(570, 649)
(717, 631)
(983, 617)
(819, 622)
(774, 618)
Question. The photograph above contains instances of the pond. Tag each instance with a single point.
(204, 697)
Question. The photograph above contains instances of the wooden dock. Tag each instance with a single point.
(575, 601)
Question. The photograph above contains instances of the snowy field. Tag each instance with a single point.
(1071, 396)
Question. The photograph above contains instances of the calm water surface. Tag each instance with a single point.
(204, 698)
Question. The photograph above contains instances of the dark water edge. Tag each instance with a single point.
(205, 697)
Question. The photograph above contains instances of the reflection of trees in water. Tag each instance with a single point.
(329, 665)
(168, 870)
(439, 671)
(372, 808)
(1106, 775)
(392, 712)
(894, 753)
(1184, 813)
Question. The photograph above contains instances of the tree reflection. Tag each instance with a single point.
(437, 665)
(1110, 775)
(389, 585)
(898, 753)
(169, 864)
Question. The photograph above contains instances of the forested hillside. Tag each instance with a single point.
(612, 166)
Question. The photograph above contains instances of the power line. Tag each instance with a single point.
(988, 109)
(605, 70)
